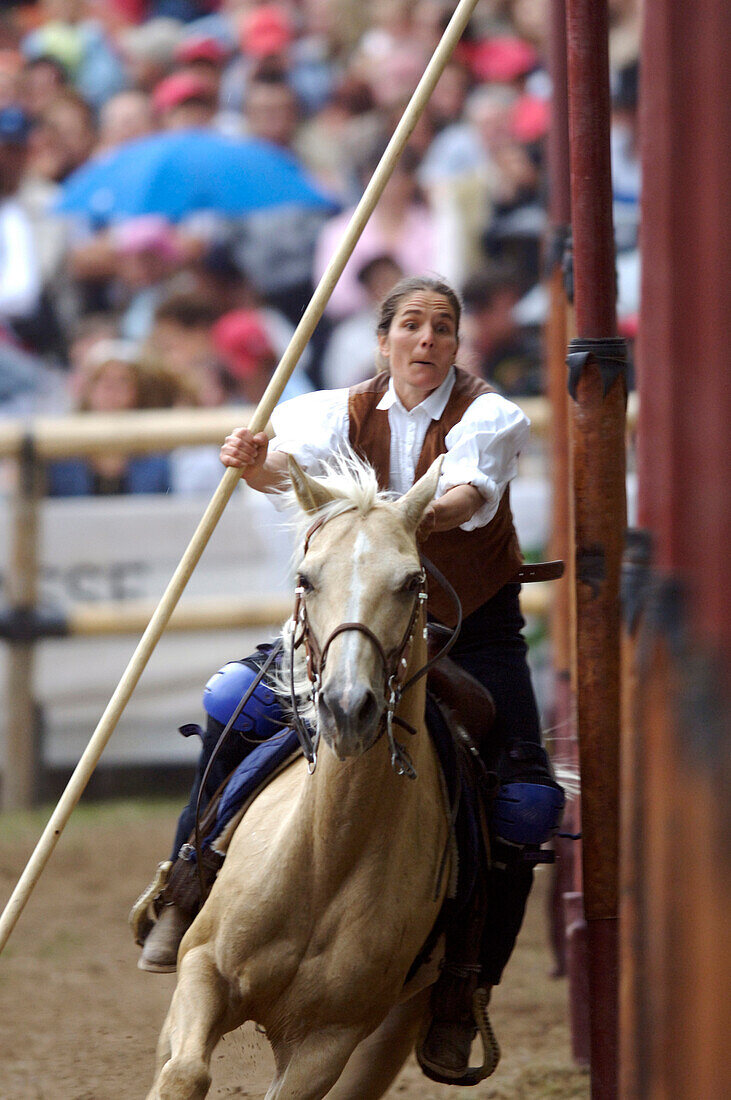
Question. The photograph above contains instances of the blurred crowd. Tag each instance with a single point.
(140, 269)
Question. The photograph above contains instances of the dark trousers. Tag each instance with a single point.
(492, 648)
(228, 757)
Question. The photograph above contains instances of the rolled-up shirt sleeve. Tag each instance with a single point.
(312, 427)
(482, 450)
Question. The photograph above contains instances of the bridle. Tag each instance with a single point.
(394, 663)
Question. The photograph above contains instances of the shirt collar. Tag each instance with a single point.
(434, 404)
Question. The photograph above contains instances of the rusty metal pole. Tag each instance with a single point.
(597, 382)
(567, 921)
(676, 993)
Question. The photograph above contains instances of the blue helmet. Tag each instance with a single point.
(527, 813)
(262, 714)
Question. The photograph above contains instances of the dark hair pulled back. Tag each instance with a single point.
(411, 284)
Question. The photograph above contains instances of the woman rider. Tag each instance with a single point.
(421, 406)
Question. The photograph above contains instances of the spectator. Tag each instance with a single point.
(271, 112)
(148, 51)
(20, 282)
(626, 167)
(124, 117)
(500, 351)
(352, 346)
(148, 251)
(274, 248)
(242, 339)
(181, 331)
(184, 100)
(402, 226)
(114, 379)
(41, 81)
(82, 46)
(63, 138)
(11, 66)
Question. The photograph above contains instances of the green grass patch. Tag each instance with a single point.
(18, 825)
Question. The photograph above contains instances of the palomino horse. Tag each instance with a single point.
(332, 880)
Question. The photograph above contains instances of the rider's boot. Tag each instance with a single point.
(459, 1012)
(160, 949)
(459, 1004)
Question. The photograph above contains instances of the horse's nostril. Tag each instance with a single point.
(366, 712)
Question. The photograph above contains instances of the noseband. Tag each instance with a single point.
(393, 663)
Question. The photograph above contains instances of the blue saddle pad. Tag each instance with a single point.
(251, 774)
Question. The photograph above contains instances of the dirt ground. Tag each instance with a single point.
(78, 1021)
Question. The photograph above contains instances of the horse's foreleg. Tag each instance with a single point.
(376, 1061)
(306, 1070)
(194, 1024)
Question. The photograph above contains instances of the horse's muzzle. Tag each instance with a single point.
(349, 720)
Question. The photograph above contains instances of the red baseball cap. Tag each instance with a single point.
(202, 48)
(242, 341)
(180, 88)
(530, 118)
(266, 31)
(503, 58)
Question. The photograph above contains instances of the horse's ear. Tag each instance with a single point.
(413, 503)
(311, 495)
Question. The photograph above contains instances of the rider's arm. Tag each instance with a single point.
(311, 427)
(455, 507)
(482, 452)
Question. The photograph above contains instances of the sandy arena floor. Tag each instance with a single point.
(78, 1021)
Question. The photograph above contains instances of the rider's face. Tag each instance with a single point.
(420, 345)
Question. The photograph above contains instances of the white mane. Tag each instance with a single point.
(351, 479)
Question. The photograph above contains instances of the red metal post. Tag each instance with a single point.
(675, 1014)
(600, 516)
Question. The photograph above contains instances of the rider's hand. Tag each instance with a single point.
(242, 449)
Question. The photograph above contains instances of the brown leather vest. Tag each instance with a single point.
(478, 562)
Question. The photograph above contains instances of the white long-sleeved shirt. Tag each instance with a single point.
(482, 448)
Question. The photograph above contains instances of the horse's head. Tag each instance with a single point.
(359, 577)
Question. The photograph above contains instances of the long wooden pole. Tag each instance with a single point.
(230, 479)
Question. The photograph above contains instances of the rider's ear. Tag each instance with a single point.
(311, 494)
(413, 503)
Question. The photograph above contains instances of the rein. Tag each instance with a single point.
(394, 663)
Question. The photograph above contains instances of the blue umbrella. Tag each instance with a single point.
(178, 172)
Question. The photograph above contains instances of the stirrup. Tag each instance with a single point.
(142, 915)
(473, 1075)
(490, 1045)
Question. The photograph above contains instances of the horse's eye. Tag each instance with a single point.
(412, 583)
(303, 582)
